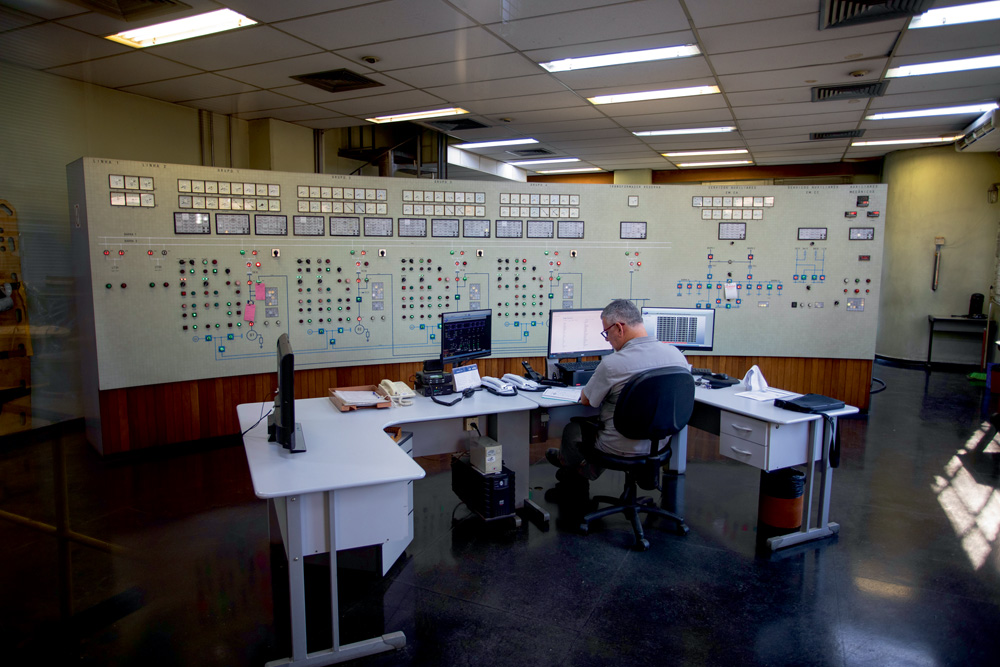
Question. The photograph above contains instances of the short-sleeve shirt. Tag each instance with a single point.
(616, 369)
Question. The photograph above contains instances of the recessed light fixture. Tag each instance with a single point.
(714, 164)
(729, 151)
(893, 142)
(941, 111)
(979, 11)
(653, 95)
(501, 142)
(569, 171)
(418, 115)
(549, 161)
(690, 130)
(175, 31)
(944, 66)
(647, 55)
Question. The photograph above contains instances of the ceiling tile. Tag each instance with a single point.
(278, 73)
(802, 108)
(189, 88)
(721, 12)
(236, 48)
(665, 73)
(781, 133)
(442, 47)
(664, 107)
(588, 124)
(46, 9)
(944, 82)
(51, 45)
(385, 105)
(11, 19)
(330, 123)
(773, 96)
(255, 101)
(798, 76)
(564, 114)
(559, 137)
(800, 121)
(521, 103)
(948, 38)
(785, 31)
(491, 11)
(126, 69)
(601, 47)
(99, 24)
(314, 95)
(292, 114)
(270, 11)
(677, 120)
(478, 91)
(466, 71)
(936, 98)
(934, 125)
(818, 159)
(841, 51)
(693, 143)
(379, 22)
(644, 17)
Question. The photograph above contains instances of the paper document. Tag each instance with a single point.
(360, 397)
(767, 394)
(571, 394)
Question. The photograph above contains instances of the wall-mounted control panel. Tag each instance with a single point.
(191, 272)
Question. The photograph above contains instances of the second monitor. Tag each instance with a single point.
(684, 328)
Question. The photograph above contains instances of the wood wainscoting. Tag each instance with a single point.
(138, 417)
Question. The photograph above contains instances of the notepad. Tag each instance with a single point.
(571, 394)
(359, 397)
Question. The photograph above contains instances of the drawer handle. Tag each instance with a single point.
(740, 451)
(741, 428)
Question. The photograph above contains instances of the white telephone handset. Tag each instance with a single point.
(520, 382)
(498, 387)
(397, 391)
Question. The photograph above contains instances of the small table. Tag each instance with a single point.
(957, 325)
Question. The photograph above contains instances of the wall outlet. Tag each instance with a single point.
(470, 424)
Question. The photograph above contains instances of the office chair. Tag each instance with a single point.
(653, 405)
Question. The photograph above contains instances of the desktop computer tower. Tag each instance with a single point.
(488, 495)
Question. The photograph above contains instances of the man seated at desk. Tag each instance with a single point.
(635, 351)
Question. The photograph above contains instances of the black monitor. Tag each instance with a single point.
(684, 328)
(467, 334)
(281, 425)
(577, 333)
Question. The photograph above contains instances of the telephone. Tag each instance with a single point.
(532, 373)
(498, 387)
(521, 383)
(397, 389)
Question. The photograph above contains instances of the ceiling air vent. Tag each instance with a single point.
(837, 13)
(337, 80)
(532, 152)
(456, 125)
(843, 134)
(131, 10)
(849, 91)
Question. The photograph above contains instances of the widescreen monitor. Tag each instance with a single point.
(577, 333)
(281, 425)
(466, 334)
(684, 328)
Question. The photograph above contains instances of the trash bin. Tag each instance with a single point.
(779, 509)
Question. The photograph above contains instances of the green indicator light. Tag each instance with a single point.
(328, 269)
(230, 313)
(309, 300)
(366, 279)
(506, 314)
(216, 305)
(626, 253)
(239, 324)
(229, 303)
(452, 252)
(422, 327)
(215, 270)
(551, 295)
(192, 270)
(352, 252)
(328, 309)
(194, 314)
(340, 307)
(546, 252)
(108, 285)
(769, 287)
(359, 299)
(465, 277)
(152, 284)
(230, 337)
(243, 252)
(222, 348)
(439, 297)
(507, 304)
(195, 326)
(421, 260)
(321, 331)
(204, 261)
(458, 297)
(309, 321)
(558, 277)
(533, 303)
(217, 326)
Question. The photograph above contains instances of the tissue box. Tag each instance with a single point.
(485, 454)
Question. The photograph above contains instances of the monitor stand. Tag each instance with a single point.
(298, 443)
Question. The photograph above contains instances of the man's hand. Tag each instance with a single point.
(583, 398)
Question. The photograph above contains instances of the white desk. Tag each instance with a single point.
(352, 487)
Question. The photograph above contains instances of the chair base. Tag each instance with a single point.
(631, 508)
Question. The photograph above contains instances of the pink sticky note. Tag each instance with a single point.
(259, 292)
(249, 312)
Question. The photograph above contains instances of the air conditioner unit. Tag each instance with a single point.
(981, 136)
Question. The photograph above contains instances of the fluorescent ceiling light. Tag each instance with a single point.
(729, 151)
(713, 164)
(569, 64)
(653, 95)
(893, 142)
(418, 115)
(174, 31)
(549, 161)
(690, 130)
(942, 111)
(503, 142)
(962, 65)
(569, 171)
(980, 11)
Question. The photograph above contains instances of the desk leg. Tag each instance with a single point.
(679, 452)
(824, 527)
(512, 430)
(930, 345)
(296, 590)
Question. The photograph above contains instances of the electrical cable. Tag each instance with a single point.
(875, 391)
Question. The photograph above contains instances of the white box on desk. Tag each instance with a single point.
(485, 454)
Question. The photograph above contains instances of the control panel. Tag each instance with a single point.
(191, 272)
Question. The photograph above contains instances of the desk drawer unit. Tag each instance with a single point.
(762, 444)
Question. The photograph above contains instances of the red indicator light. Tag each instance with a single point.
(250, 282)
(254, 252)
(558, 263)
(638, 263)
(107, 252)
(749, 256)
(779, 286)
(149, 252)
(258, 265)
(249, 265)
(121, 252)
(699, 285)
(364, 252)
(711, 256)
(359, 280)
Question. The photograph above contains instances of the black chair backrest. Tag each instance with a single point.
(654, 404)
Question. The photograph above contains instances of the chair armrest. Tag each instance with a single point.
(590, 426)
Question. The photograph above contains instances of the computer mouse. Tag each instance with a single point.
(719, 376)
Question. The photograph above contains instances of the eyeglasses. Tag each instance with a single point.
(605, 332)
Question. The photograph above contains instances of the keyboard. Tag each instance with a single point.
(701, 371)
(573, 366)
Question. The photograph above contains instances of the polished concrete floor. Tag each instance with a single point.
(164, 559)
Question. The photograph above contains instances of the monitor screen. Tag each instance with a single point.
(577, 333)
(282, 427)
(467, 334)
(685, 328)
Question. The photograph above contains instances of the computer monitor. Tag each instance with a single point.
(685, 328)
(281, 424)
(466, 334)
(577, 333)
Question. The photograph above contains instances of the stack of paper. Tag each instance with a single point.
(360, 397)
(571, 394)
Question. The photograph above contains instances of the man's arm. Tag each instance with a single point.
(583, 398)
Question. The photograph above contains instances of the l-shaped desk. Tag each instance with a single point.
(354, 485)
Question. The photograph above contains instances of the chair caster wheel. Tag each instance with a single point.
(584, 529)
(642, 545)
(683, 530)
